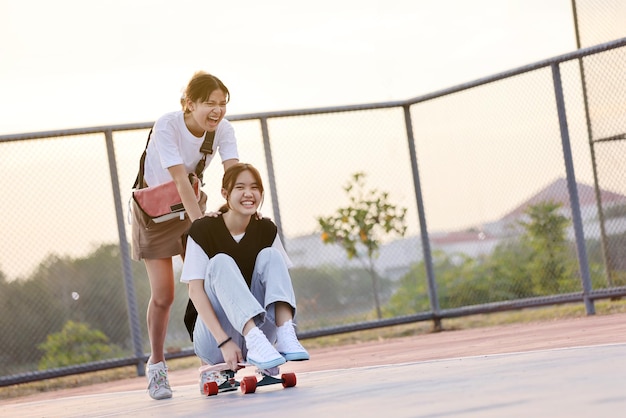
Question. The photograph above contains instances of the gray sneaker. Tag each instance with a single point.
(158, 385)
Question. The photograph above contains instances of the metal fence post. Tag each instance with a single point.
(131, 300)
(594, 166)
(583, 262)
(428, 259)
(272, 178)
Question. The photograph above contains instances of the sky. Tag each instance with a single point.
(81, 63)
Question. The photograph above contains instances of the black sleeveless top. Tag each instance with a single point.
(213, 237)
(211, 234)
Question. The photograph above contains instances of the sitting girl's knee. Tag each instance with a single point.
(222, 258)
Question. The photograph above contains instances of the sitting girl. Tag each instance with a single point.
(239, 283)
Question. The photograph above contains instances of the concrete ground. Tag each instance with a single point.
(569, 368)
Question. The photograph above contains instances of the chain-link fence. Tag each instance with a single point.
(509, 205)
(598, 21)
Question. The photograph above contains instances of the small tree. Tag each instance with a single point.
(76, 343)
(360, 227)
(551, 266)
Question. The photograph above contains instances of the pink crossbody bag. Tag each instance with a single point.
(162, 202)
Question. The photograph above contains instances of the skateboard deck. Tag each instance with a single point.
(224, 379)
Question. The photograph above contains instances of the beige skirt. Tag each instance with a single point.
(159, 240)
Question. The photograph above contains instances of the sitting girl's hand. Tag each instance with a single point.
(232, 355)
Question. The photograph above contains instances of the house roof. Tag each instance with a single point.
(558, 192)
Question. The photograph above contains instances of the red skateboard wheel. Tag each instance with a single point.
(211, 388)
(248, 384)
(289, 380)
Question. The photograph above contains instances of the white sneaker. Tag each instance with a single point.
(274, 371)
(261, 353)
(158, 385)
(287, 343)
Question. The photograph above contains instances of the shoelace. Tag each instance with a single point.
(263, 347)
(290, 337)
(159, 377)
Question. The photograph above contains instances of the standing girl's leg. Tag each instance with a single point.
(161, 276)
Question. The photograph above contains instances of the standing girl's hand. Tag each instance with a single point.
(217, 213)
(232, 355)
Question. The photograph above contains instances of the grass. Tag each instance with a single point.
(475, 321)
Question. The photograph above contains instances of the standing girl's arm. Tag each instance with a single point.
(187, 195)
(229, 163)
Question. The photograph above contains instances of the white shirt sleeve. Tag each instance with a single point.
(278, 245)
(195, 264)
(226, 142)
(171, 144)
(166, 142)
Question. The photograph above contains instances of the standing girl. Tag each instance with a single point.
(173, 153)
(238, 277)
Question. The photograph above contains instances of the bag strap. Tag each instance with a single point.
(205, 148)
(142, 161)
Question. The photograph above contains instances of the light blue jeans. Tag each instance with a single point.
(234, 303)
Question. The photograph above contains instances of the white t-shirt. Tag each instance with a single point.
(197, 261)
(171, 144)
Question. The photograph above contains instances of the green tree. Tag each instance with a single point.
(102, 298)
(29, 313)
(76, 343)
(412, 294)
(361, 226)
(329, 295)
(539, 262)
(506, 270)
(551, 265)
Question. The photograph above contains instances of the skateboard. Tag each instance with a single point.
(224, 379)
